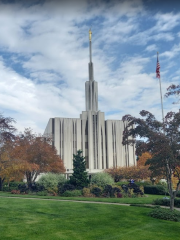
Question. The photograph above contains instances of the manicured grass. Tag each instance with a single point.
(147, 199)
(24, 219)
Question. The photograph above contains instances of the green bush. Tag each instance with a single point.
(65, 187)
(166, 214)
(22, 187)
(110, 191)
(155, 189)
(51, 180)
(166, 202)
(102, 179)
(11, 186)
(145, 183)
(86, 192)
(74, 193)
(42, 193)
(97, 191)
(178, 194)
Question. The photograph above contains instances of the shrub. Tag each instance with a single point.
(8, 187)
(65, 187)
(15, 191)
(166, 214)
(155, 189)
(166, 202)
(22, 187)
(102, 179)
(87, 192)
(97, 191)
(110, 191)
(14, 185)
(51, 181)
(107, 192)
(42, 193)
(36, 187)
(52, 192)
(178, 194)
(74, 193)
(119, 195)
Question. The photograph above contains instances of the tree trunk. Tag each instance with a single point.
(1, 184)
(172, 203)
(29, 179)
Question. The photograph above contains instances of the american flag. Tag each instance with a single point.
(158, 68)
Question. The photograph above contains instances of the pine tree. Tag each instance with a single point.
(79, 177)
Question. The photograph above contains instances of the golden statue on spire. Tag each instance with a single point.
(90, 34)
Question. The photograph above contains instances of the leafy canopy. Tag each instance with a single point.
(161, 140)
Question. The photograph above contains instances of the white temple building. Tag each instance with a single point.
(99, 139)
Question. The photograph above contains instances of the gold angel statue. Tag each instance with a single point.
(90, 34)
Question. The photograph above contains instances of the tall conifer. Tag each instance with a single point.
(79, 177)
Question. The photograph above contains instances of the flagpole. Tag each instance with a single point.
(161, 92)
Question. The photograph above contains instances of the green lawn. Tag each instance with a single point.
(147, 199)
(24, 219)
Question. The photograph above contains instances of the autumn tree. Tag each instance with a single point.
(7, 129)
(10, 167)
(143, 158)
(7, 134)
(135, 172)
(162, 140)
(37, 155)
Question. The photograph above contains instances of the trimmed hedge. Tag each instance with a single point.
(178, 194)
(166, 202)
(155, 189)
(74, 193)
(165, 214)
(65, 187)
(12, 186)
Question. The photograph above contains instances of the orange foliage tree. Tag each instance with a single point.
(143, 158)
(37, 155)
(10, 167)
(137, 173)
(7, 131)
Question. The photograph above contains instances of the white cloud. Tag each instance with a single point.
(151, 48)
(50, 43)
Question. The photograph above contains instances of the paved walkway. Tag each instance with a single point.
(61, 200)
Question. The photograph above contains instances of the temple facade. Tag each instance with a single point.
(99, 139)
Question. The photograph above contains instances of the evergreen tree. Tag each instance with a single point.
(79, 177)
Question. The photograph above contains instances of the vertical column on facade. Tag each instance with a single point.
(109, 139)
(90, 141)
(85, 136)
(56, 135)
(101, 141)
(78, 134)
(94, 120)
(122, 148)
(118, 142)
(99, 145)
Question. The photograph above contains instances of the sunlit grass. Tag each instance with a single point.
(25, 219)
(146, 199)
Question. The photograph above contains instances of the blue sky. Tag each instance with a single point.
(44, 57)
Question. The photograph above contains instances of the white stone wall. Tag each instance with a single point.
(100, 141)
(117, 154)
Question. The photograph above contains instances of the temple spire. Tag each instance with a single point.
(91, 86)
(90, 51)
(91, 74)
